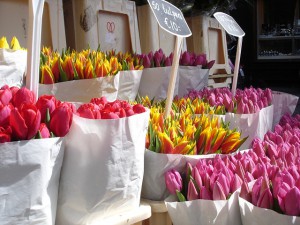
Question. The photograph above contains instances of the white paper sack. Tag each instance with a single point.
(253, 215)
(251, 125)
(103, 169)
(156, 165)
(129, 84)
(155, 81)
(283, 103)
(204, 212)
(29, 180)
(12, 67)
(83, 90)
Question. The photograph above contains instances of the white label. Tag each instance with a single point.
(229, 24)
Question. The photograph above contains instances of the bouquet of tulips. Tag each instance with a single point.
(104, 148)
(192, 73)
(31, 154)
(92, 73)
(13, 59)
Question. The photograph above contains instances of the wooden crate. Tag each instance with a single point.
(159, 213)
(110, 24)
(14, 22)
(220, 80)
(210, 38)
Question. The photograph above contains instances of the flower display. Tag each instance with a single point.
(87, 64)
(159, 59)
(249, 100)
(100, 108)
(185, 133)
(21, 118)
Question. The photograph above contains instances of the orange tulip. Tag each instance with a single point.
(89, 70)
(167, 145)
(67, 66)
(47, 76)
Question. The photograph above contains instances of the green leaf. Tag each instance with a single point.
(38, 135)
(47, 119)
(157, 144)
(63, 76)
(76, 77)
(180, 196)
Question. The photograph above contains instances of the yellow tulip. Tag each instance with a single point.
(3, 43)
(15, 45)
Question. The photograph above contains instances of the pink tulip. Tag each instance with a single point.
(205, 193)
(245, 192)
(5, 96)
(240, 107)
(269, 95)
(146, 62)
(256, 189)
(192, 193)
(197, 177)
(168, 62)
(4, 114)
(44, 131)
(248, 177)
(200, 60)
(292, 202)
(265, 199)
(185, 59)
(218, 192)
(209, 65)
(236, 183)
(173, 181)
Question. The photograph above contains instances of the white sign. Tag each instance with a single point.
(170, 18)
(229, 24)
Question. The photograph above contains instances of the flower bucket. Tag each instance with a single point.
(156, 165)
(253, 125)
(155, 81)
(103, 168)
(12, 67)
(129, 84)
(204, 212)
(29, 178)
(83, 90)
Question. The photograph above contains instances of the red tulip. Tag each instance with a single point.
(89, 111)
(25, 121)
(108, 115)
(46, 102)
(138, 108)
(61, 120)
(5, 134)
(22, 96)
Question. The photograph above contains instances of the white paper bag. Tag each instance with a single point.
(29, 178)
(129, 84)
(156, 165)
(283, 103)
(204, 212)
(252, 125)
(83, 90)
(253, 215)
(155, 81)
(12, 67)
(103, 168)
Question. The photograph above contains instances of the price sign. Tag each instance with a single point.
(170, 18)
(229, 24)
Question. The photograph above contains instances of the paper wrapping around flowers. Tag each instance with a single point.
(156, 165)
(29, 178)
(12, 67)
(252, 125)
(253, 215)
(103, 168)
(129, 84)
(83, 90)
(204, 212)
(155, 81)
(283, 103)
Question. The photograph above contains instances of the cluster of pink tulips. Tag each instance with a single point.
(249, 100)
(273, 164)
(159, 59)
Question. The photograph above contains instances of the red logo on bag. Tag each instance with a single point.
(110, 26)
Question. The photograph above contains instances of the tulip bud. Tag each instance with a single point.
(168, 62)
(3, 43)
(218, 192)
(89, 111)
(61, 120)
(44, 131)
(14, 44)
(22, 96)
(5, 134)
(185, 59)
(236, 183)
(200, 60)
(4, 115)
(192, 193)
(205, 193)
(146, 62)
(173, 181)
(292, 202)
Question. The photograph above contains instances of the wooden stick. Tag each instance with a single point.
(175, 64)
(36, 8)
(237, 65)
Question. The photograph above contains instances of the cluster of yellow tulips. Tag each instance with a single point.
(14, 43)
(87, 64)
(190, 131)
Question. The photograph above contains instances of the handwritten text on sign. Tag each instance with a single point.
(229, 24)
(169, 18)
